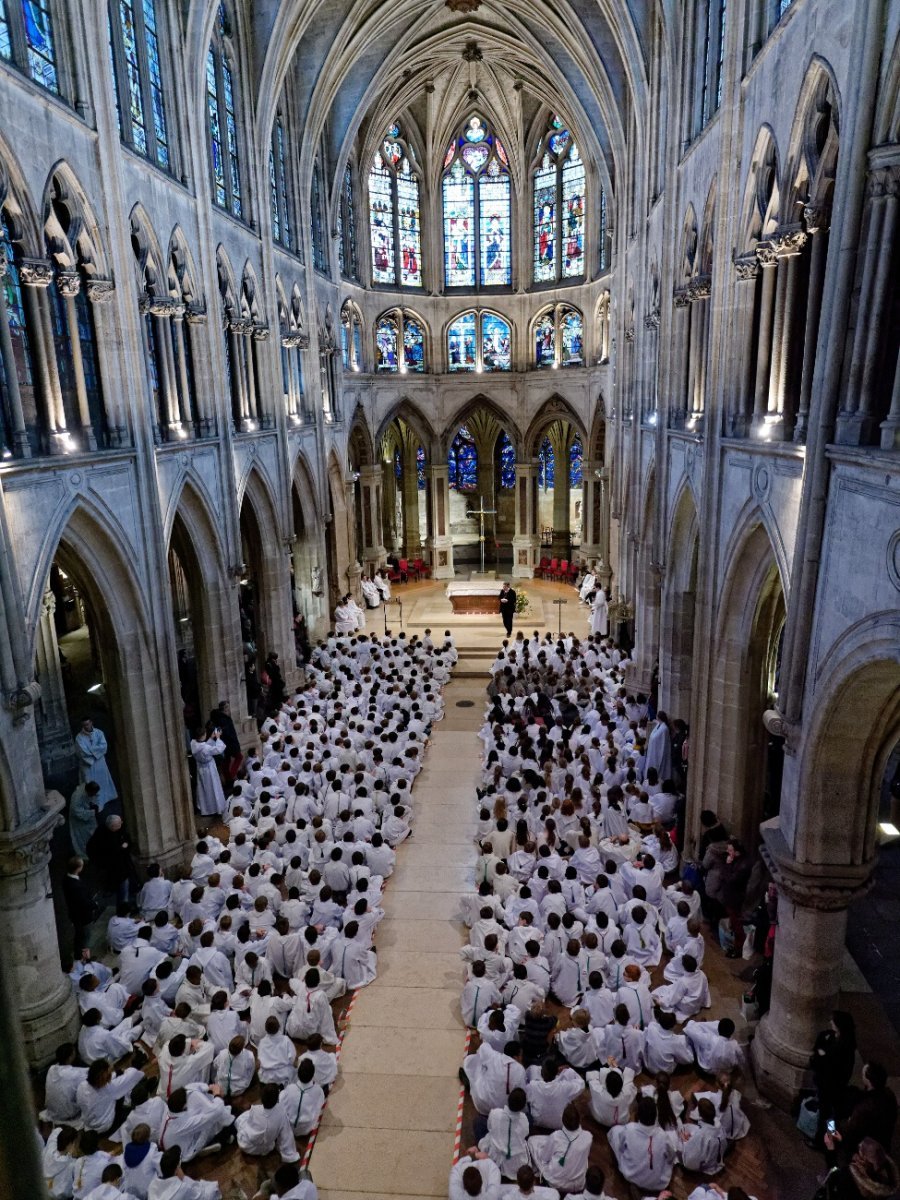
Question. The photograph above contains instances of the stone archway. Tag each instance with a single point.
(557, 443)
(264, 597)
(676, 648)
(307, 552)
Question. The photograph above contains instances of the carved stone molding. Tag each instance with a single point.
(291, 341)
(36, 272)
(26, 850)
(884, 181)
(822, 887)
(472, 52)
(48, 603)
(699, 288)
(68, 282)
(260, 333)
(788, 242)
(746, 266)
(767, 254)
(816, 217)
(99, 291)
(463, 6)
(779, 727)
(651, 320)
(629, 334)
(240, 326)
(680, 298)
(195, 313)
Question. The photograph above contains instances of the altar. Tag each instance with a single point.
(474, 596)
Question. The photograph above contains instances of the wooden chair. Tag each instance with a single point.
(553, 569)
(421, 568)
(541, 569)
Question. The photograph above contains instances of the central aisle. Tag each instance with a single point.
(390, 1123)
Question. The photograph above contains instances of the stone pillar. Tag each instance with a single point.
(698, 293)
(69, 284)
(816, 220)
(526, 542)
(36, 276)
(186, 415)
(561, 533)
(682, 337)
(890, 429)
(47, 1008)
(441, 547)
(741, 407)
(768, 261)
(809, 953)
(20, 447)
(789, 245)
(374, 554)
(409, 486)
(236, 371)
(100, 293)
(55, 739)
(602, 520)
(161, 312)
(259, 334)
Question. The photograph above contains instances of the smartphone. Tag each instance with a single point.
(831, 1127)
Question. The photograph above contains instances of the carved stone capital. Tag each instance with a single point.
(36, 272)
(789, 241)
(651, 320)
(48, 603)
(4, 266)
(196, 314)
(779, 727)
(290, 340)
(629, 334)
(699, 288)
(21, 700)
(767, 254)
(260, 333)
(680, 298)
(99, 291)
(884, 181)
(68, 282)
(816, 217)
(823, 887)
(26, 850)
(746, 266)
(240, 326)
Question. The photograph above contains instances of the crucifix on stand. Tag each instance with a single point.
(481, 512)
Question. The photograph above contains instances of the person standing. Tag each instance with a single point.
(599, 612)
(276, 682)
(92, 748)
(83, 810)
(220, 718)
(79, 905)
(109, 850)
(659, 748)
(507, 607)
(205, 746)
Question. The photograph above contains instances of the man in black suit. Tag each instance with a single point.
(220, 718)
(507, 607)
(80, 905)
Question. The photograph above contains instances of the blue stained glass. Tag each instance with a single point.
(545, 341)
(5, 43)
(133, 77)
(39, 42)
(546, 465)
(604, 235)
(413, 345)
(461, 343)
(282, 184)
(228, 85)
(459, 227)
(493, 196)
(572, 339)
(357, 345)
(496, 339)
(350, 235)
(273, 193)
(576, 464)
(151, 42)
(315, 217)
(545, 221)
(410, 227)
(215, 133)
(420, 468)
(398, 465)
(387, 353)
(345, 345)
(559, 141)
(14, 309)
(507, 462)
(573, 215)
(462, 461)
(381, 222)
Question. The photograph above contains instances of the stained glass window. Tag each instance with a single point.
(357, 344)
(461, 343)
(278, 185)
(347, 228)
(395, 222)
(546, 465)
(21, 347)
(559, 207)
(317, 221)
(572, 339)
(345, 344)
(5, 40)
(545, 341)
(420, 468)
(222, 118)
(507, 456)
(576, 463)
(398, 465)
(496, 343)
(462, 461)
(604, 232)
(387, 354)
(476, 193)
(39, 43)
(413, 345)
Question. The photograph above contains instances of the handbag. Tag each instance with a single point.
(726, 934)
(808, 1117)
(749, 1008)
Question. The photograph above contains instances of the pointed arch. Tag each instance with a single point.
(359, 437)
(70, 225)
(183, 278)
(17, 205)
(761, 191)
(415, 418)
(466, 410)
(191, 501)
(707, 226)
(303, 478)
(147, 252)
(256, 487)
(811, 160)
(555, 408)
(689, 243)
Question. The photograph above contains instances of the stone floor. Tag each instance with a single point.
(390, 1124)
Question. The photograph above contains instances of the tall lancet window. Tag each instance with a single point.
(221, 87)
(476, 192)
(559, 206)
(395, 220)
(135, 55)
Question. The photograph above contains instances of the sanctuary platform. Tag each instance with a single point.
(480, 595)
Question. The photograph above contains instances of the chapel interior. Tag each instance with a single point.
(503, 288)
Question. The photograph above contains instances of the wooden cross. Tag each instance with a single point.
(481, 512)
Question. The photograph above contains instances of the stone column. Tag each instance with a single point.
(816, 220)
(526, 543)
(682, 331)
(55, 739)
(602, 519)
(161, 311)
(185, 413)
(36, 276)
(768, 261)
(699, 293)
(441, 547)
(788, 244)
(69, 284)
(561, 534)
(809, 953)
(21, 447)
(409, 487)
(389, 506)
(236, 371)
(741, 407)
(250, 377)
(46, 1002)
(99, 293)
(374, 554)
(260, 334)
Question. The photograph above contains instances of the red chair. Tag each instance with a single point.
(573, 572)
(563, 571)
(404, 570)
(421, 568)
(541, 569)
(394, 575)
(553, 570)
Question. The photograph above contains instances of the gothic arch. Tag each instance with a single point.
(688, 245)
(147, 252)
(409, 412)
(15, 199)
(813, 145)
(751, 613)
(303, 478)
(81, 243)
(183, 278)
(191, 501)
(462, 414)
(359, 438)
(887, 116)
(761, 191)
(553, 409)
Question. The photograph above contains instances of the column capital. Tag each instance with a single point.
(788, 240)
(68, 282)
(36, 272)
(680, 298)
(767, 254)
(48, 603)
(746, 266)
(26, 850)
(816, 218)
(195, 313)
(260, 333)
(239, 325)
(824, 887)
(99, 291)
(884, 180)
(699, 288)
(371, 473)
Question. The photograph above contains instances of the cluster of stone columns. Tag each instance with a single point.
(250, 408)
(182, 410)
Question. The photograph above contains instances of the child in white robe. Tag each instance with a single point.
(60, 1086)
(562, 1156)
(58, 1161)
(351, 959)
(704, 1144)
(277, 1055)
(303, 1100)
(612, 1092)
(324, 1062)
(90, 1166)
(688, 995)
(664, 1049)
(98, 1093)
(645, 1154)
(713, 1044)
(578, 1045)
(526, 1187)
(550, 1089)
(173, 1184)
(492, 1075)
(506, 1140)
(234, 1068)
(109, 1186)
(479, 994)
(182, 1062)
(311, 1012)
(195, 1119)
(96, 1042)
(139, 1161)
(265, 1127)
(475, 1174)
(594, 1182)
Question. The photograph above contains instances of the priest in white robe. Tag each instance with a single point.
(265, 1127)
(600, 613)
(344, 618)
(659, 748)
(92, 748)
(371, 594)
(205, 748)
